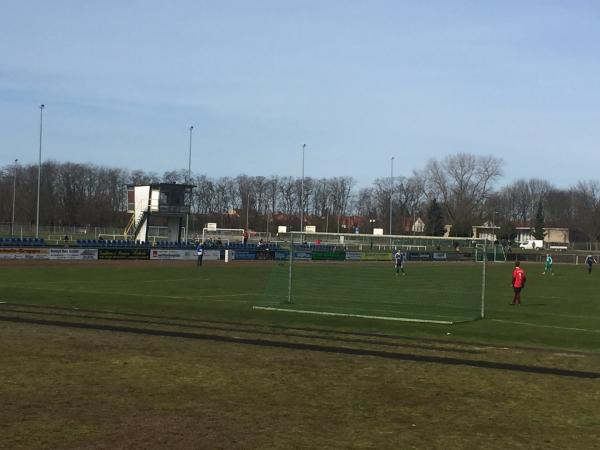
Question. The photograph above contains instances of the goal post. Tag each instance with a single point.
(225, 235)
(444, 280)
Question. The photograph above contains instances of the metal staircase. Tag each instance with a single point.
(133, 228)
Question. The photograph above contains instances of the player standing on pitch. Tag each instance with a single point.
(399, 259)
(590, 261)
(199, 253)
(518, 283)
(548, 266)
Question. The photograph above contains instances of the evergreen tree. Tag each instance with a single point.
(435, 219)
(508, 231)
(538, 225)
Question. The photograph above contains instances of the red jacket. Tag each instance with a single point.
(518, 278)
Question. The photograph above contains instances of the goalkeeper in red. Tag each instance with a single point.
(518, 283)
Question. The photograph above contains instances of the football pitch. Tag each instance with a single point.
(433, 293)
(171, 355)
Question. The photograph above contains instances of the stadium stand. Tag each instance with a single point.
(22, 242)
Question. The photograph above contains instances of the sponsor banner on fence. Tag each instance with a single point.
(265, 255)
(211, 255)
(329, 256)
(455, 256)
(419, 256)
(303, 255)
(187, 255)
(440, 256)
(244, 255)
(23, 253)
(353, 256)
(282, 255)
(123, 253)
(73, 253)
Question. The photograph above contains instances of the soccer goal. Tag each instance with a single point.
(445, 283)
(224, 235)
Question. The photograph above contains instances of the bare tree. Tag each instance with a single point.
(272, 192)
(521, 198)
(462, 182)
(587, 207)
(288, 192)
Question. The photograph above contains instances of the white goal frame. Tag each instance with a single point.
(479, 244)
(224, 234)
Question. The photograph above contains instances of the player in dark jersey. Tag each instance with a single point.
(399, 259)
(590, 262)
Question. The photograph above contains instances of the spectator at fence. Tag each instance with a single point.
(245, 236)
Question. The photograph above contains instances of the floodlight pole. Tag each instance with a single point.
(247, 208)
(189, 177)
(289, 299)
(483, 279)
(302, 196)
(37, 214)
(391, 194)
(12, 221)
(267, 230)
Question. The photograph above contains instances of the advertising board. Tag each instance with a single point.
(23, 253)
(123, 253)
(282, 255)
(353, 256)
(211, 255)
(440, 256)
(73, 254)
(329, 256)
(419, 256)
(458, 257)
(173, 254)
(302, 255)
(265, 255)
(243, 255)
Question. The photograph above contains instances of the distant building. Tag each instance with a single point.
(418, 226)
(447, 230)
(486, 231)
(552, 235)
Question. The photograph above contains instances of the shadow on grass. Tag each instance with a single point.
(311, 347)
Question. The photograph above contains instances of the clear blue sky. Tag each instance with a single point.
(357, 81)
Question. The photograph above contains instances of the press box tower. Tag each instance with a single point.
(164, 203)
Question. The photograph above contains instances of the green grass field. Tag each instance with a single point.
(441, 293)
(561, 311)
(146, 355)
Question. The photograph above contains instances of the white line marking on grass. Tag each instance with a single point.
(362, 316)
(545, 326)
(374, 310)
(343, 301)
(173, 279)
(158, 280)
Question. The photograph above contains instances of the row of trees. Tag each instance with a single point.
(459, 190)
